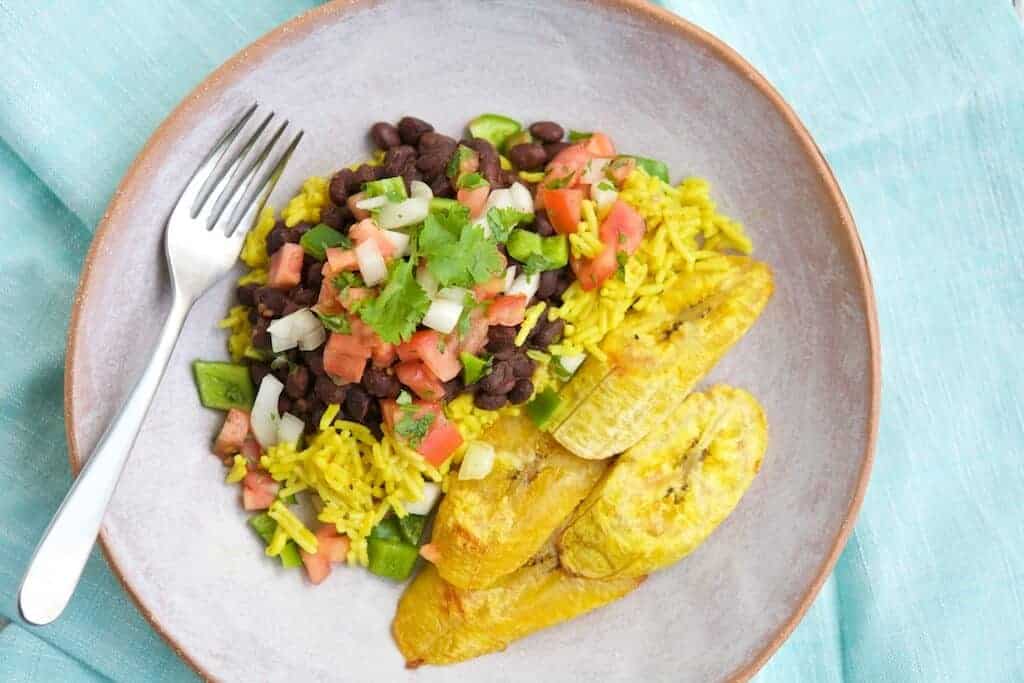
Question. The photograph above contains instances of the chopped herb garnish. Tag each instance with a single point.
(413, 428)
(399, 307)
(577, 135)
(335, 323)
(471, 181)
(404, 398)
(457, 252)
(343, 281)
(605, 186)
(468, 304)
(501, 221)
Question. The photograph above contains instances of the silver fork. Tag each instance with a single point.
(201, 243)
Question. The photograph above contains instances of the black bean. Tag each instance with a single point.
(397, 160)
(546, 333)
(409, 175)
(315, 413)
(284, 404)
(276, 239)
(499, 380)
(554, 148)
(290, 307)
(301, 407)
(314, 276)
(501, 333)
(260, 335)
(340, 185)
(433, 164)
(303, 296)
(565, 278)
(547, 285)
(364, 174)
(373, 419)
(490, 401)
(490, 165)
(454, 387)
(253, 316)
(528, 157)
(244, 294)
(542, 225)
(436, 142)
(357, 403)
(380, 383)
(335, 216)
(384, 135)
(258, 371)
(327, 391)
(297, 382)
(522, 366)
(442, 186)
(269, 302)
(506, 178)
(521, 392)
(547, 131)
(410, 129)
(296, 233)
(314, 360)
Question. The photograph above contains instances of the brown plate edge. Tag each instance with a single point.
(306, 22)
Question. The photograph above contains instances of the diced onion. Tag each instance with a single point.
(408, 212)
(427, 281)
(423, 506)
(500, 199)
(525, 284)
(572, 363)
(510, 277)
(594, 173)
(264, 417)
(456, 294)
(372, 202)
(286, 332)
(522, 200)
(443, 315)
(290, 429)
(313, 339)
(604, 198)
(371, 263)
(419, 189)
(399, 240)
(477, 462)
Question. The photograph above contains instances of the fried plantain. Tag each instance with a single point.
(438, 623)
(657, 356)
(489, 527)
(663, 497)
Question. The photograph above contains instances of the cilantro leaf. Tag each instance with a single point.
(413, 428)
(501, 221)
(468, 305)
(344, 280)
(457, 252)
(335, 323)
(404, 398)
(399, 307)
(471, 181)
(536, 263)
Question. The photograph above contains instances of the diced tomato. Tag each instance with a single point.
(353, 295)
(328, 302)
(475, 338)
(591, 273)
(623, 227)
(442, 437)
(600, 145)
(340, 260)
(251, 451)
(507, 310)
(564, 209)
(489, 289)
(365, 230)
(357, 213)
(620, 168)
(286, 267)
(318, 566)
(475, 200)
(439, 353)
(430, 553)
(383, 354)
(565, 169)
(345, 357)
(258, 490)
(424, 383)
(232, 434)
(331, 548)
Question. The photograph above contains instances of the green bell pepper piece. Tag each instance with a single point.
(387, 528)
(393, 188)
(522, 244)
(442, 204)
(542, 407)
(411, 527)
(390, 558)
(320, 238)
(224, 385)
(265, 527)
(494, 128)
(473, 367)
(555, 250)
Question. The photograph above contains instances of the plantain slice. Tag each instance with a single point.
(655, 357)
(437, 623)
(488, 528)
(664, 496)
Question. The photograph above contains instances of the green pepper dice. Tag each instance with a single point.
(390, 558)
(542, 407)
(393, 188)
(494, 128)
(316, 241)
(473, 367)
(223, 386)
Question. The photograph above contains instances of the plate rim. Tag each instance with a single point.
(308, 21)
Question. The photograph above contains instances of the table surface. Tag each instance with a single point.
(919, 107)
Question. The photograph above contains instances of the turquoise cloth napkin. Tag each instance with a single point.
(919, 107)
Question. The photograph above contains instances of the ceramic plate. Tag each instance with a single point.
(175, 532)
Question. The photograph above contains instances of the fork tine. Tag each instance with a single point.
(244, 185)
(212, 205)
(210, 161)
(244, 223)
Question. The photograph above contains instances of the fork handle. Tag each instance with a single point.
(60, 557)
